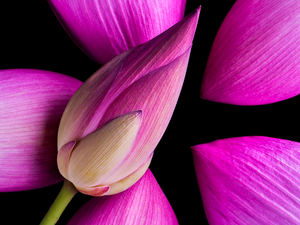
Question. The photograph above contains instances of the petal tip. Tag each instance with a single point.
(137, 113)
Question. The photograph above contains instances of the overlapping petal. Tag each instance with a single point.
(87, 107)
(31, 106)
(100, 152)
(147, 78)
(255, 57)
(249, 180)
(105, 28)
(143, 203)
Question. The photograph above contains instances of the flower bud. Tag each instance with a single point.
(142, 82)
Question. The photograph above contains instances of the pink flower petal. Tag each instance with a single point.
(87, 107)
(255, 57)
(249, 180)
(143, 203)
(146, 78)
(105, 28)
(31, 106)
(157, 94)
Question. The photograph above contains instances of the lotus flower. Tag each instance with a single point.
(255, 57)
(105, 28)
(143, 203)
(249, 180)
(31, 105)
(113, 123)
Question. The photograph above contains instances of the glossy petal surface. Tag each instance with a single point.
(31, 106)
(255, 57)
(249, 180)
(105, 28)
(143, 203)
(147, 78)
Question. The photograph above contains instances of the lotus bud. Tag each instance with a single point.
(145, 203)
(103, 29)
(249, 180)
(31, 105)
(255, 57)
(133, 95)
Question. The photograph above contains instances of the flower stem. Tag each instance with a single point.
(65, 195)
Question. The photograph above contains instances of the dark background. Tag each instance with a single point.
(31, 37)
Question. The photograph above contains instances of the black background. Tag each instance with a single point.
(31, 37)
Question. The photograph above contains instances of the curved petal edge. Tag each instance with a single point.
(249, 180)
(255, 57)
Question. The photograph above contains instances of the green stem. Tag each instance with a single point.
(60, 203)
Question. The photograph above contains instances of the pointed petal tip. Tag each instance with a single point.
(137, 113)
(196, 151)
(193, 147)
(185, 27)
(194, 14)
(133, 116)
(197, 10)
(196, 147)
(190, 23)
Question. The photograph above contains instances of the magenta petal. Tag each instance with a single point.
(147, 78)
(249, 180)
(143, 203)
(87, 107)
(31, 106)
(157, 94)
(255, 57)
(106, 28)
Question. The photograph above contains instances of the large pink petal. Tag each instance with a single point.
(87, 107)
(31, 106)
(106, 28)
(249, 180)
(156, 94)
(143, 203)
(255, 57)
